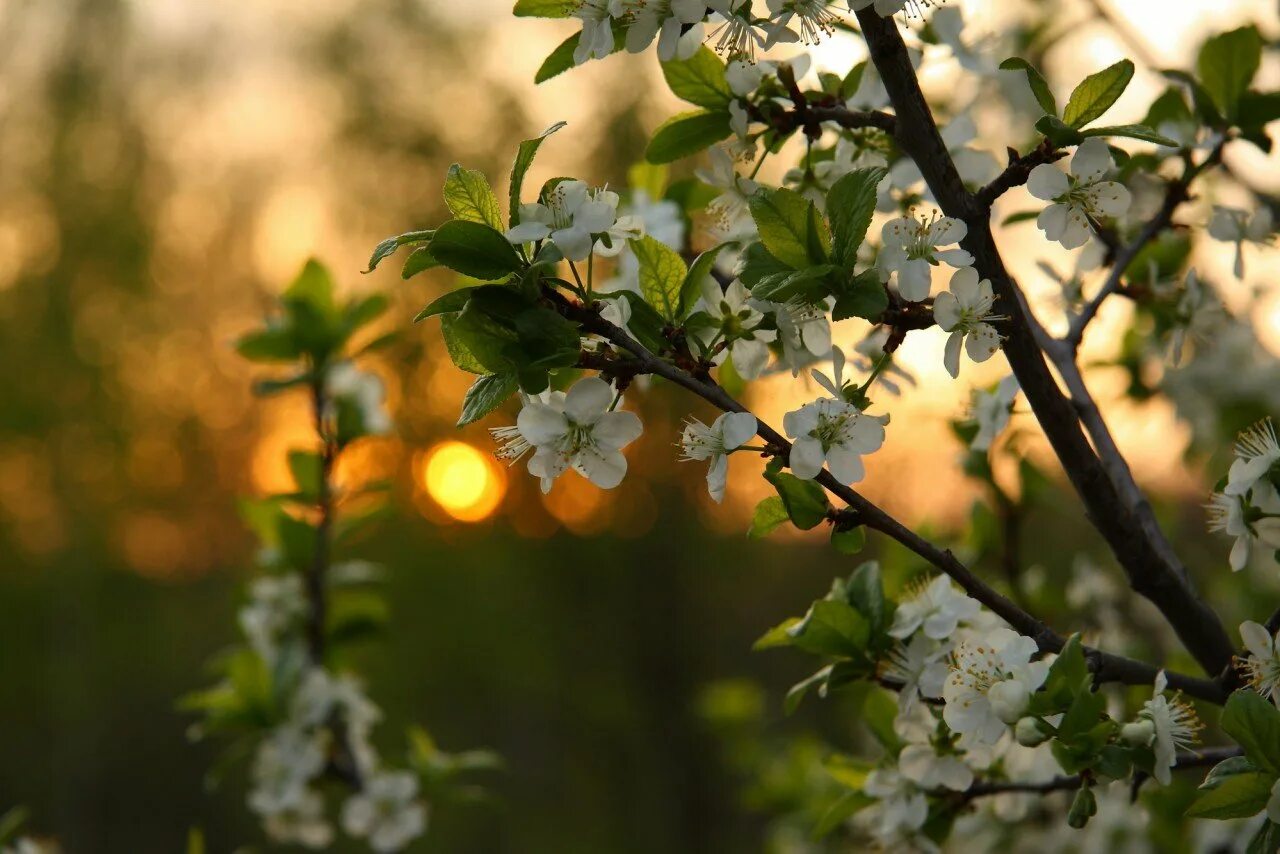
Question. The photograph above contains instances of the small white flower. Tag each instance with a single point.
(744, 77)
(727, 433)
(583, 435)
(832, 431)
(804, 331)
(323, 698)
(667, 19)
(301, 823)
(737, 37)
(1249, 518)
(965, 312)
(597, 31)
(990, 683)
(924, 766)
(902, 807)
(1261, 667)
(1176, 726)
(286, 761)
(937, 607)
(919, 667)
(1079, 195)
(992, 409)
(911, 249)
(571, 217)
(386, 812)
(813, 17)
(1257, 451)
(885, 8)
(738, 322)
(1232, 225)
(364, 389)
(276, 606)
(733, 203)
(740, 122)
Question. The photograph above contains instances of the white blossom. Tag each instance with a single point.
(1079, 195)
(992, 410)
(737, 36)
(929, 769)
(804, 330)
(965, 312)
(582, 434)
(737, 321)
(1257, 452)
(1232, 225)
(885, 8)
(730, 431)
(665, 19)
(1176, 725)
(275, 608)
(1261, 667)
(919, 667)
(991, 682)
(386, 812)
(571, 217)
(832, 431)
(902, 805)
(364, 389)
(732, 205)
(597, 30)
(285, 763)
(302, 823)
(937, 608)
(912, 248)
(1252, 518)
(813, 17)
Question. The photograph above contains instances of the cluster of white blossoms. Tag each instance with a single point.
(330, 716)
(1080, 196)
(832, 430)
(578, 220)
(1248, 508)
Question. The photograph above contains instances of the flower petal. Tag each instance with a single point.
(738, 428)
(806, 457)
(540, 424)
(1047, 182)
(617, 429)
(588, 400)
(604, 468)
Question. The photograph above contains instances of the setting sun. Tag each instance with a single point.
(466, 483)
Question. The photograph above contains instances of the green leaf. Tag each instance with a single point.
(1258, 108)
(448, 303)
(700, 80)
(524, 159)
(1058, 132)
(544, 8)
(778, 636)
(1227, 65)
(12, 821)
(507, 332)
(475, 250)
(273, 344)
(561, 59)
(849, 542)
(691, 290)
(811, 284)
(805, 501)
(757, 264)
(1021, 216)
(459, 351)
(866, 593)
(485, 395)
(313, 288)
(863, 296)
(845, 807)
(851, 201)
(419, 260)
(1234, 796)
(1141, 132)
(1171, 106)
(646, 324)
(307, 469)
(1254, 723)
(1039, 86)
(768, 515)
(651, 178)
(662, 275)
(832, 628)
(388, 247)
(796, 693)
(1096, 93)
(469, 197)
(686, 134)
(790, 227)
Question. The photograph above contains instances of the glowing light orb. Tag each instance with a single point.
(464, 481)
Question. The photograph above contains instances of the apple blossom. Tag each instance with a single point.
(937, 608)
(1249, 518)
(386, 812)
(731, 206)
(912, 249)
(727, 433)
(667, 20)
(990, 683)
(737, 322)
(965, 312)
(1261, 667)
(902, 805)
(597, 30)
(584, 434)
(919, 669)
(929, 769)
(1176, 725)
(571, 217)
(1257, 453)
(991, 410)
(1078, 196)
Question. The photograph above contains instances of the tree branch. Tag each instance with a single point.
(1129, 529)
(1018, 171)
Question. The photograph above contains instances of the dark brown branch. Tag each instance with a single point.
(1018, 171)
(1129, 529)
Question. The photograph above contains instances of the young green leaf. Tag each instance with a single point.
(1039, 86)
(469, 197)
(1234, 796)
(544, 8)
(851, 201)
(832, 628)
(1141, 132)
(388, 247)
(475, 250)
(1254, 723)
(420, 260)
(273, 344)
(686, 134)
(806, 501)
(692, 287)
(662, 275)
(1096, 93)
(459, 351)
(485, 395)
(1227, 64)
(448, 303)
(790, 227)
(768, 515)
(524, 159)
(306, 468)
(700, 80)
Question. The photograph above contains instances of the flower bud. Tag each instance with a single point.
(1083, 808)
(1009, 700)
(1029, 734)
(1138, 733)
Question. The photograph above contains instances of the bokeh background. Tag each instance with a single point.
(166, 166)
